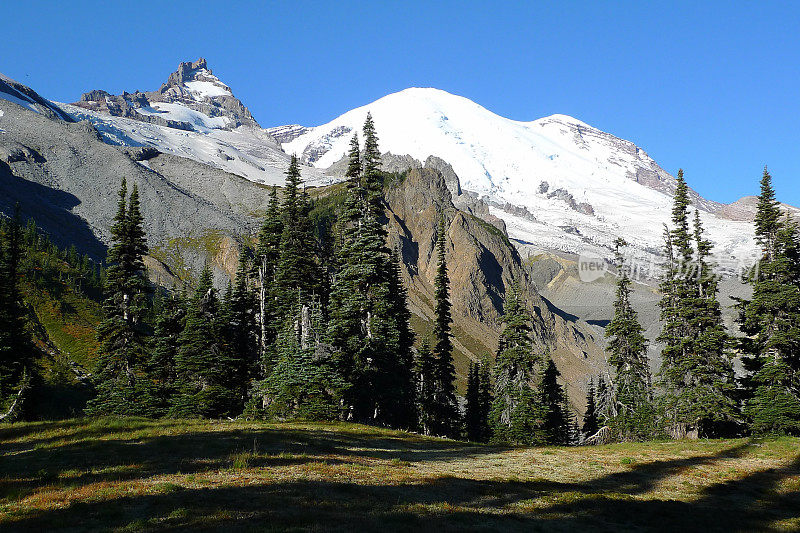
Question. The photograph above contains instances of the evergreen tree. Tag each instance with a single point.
(266, 260)
(369, 319)
(484, 400)
(370, 165)
(203, 363)
(557, 421)
(696, 372)
(627, 347)
(241, 332)
(16, 349)
(445, 416)
(161, 364)
(771, 321)
(517, 415)
(590, 422)
(473, 408)
(604, 401)
(297, 272)
(425, 370)
(122, 387)
(304, 383)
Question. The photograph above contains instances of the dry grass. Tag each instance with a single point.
(139, 475)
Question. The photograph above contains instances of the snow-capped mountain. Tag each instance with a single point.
(193, 115)
(559, 183)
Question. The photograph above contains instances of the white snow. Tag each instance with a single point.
(245, 151)
(207, 88)
(507, 160)
(181, 113)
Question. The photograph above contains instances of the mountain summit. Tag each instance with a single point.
(560, 184)
(191, 99)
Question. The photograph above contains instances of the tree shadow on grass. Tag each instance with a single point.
(444, 504)
(615, 502)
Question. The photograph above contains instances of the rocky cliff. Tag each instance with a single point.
(482, 266)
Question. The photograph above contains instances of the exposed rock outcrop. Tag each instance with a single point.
(192, 85)
(482, 265)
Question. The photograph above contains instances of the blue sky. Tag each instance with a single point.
(713, 87)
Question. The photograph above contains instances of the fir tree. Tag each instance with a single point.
(484, 400)
(425, 370)
(203, 364)
(557, 421)
(304, 383)
(161, 364)
(241, 331)
(370, 165)
(590, 422)
(121, 385)
(297, 270)
(771, 321)
(266, 260)
(16, 349)
(445, 417)
(517, 415)
(473, 410)
(627, 347)
(696, 373)
(369, 319)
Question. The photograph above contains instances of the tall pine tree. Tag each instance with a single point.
(204, 373)
(517, 415)
(121, 385)
(696, 372)
(445, 415)
(630, 412)
(771, 321)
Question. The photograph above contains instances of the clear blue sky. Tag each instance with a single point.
(712, 87)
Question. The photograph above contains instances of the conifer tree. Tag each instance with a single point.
(517, 415)
(161, 364)
(771, 321)
(445, 416)
(604, 401)
(304, 383)
(557, 421)
(590, 422)
(203, 364)
(121, 385)
(696, 373)
(369, 319)
(297, 271)
(241, 331)
(370, 164)
(485, 399)
(472, 416)
(266, 260)
(425, 370)
(16, 349)
(478, 402)
(627, 347)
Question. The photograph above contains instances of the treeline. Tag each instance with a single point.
(696, 392)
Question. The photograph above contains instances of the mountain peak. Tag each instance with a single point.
(192, 98)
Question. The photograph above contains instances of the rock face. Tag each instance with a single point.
(482, 266)
(67, 179)
(192, 87)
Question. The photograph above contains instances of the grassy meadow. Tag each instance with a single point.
(144, 475)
